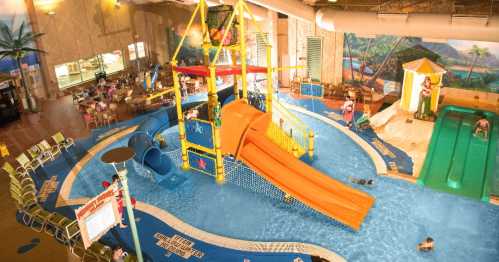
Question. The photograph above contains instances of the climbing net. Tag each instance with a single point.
(237, 173)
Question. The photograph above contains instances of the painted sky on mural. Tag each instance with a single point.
(463, 46)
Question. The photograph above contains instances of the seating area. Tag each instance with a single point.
(31, 213)
(42, 153)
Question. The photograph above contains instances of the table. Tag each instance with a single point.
(118, 155)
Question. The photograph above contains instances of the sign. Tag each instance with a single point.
(97, 216)
(177, 245)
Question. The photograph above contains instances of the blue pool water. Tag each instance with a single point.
(404, 214)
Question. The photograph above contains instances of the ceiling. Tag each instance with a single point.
(458, 7)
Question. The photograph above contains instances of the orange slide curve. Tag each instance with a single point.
(243, 136)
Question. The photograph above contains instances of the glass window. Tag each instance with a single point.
(67, 74)
(112, 62)
(89, 67)
(139, 47)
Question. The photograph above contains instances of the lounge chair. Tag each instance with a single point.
(56, 224)
(26, 164)
(35, 152)
(39, 219)
(63, 142)
(52, 150)
(11, 171)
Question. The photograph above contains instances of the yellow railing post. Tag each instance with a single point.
(233, 55)
(180, 116)
(242, 36)
(270, 90)
(174, 58)
(212, 92)
(219, 172)
(311, 144)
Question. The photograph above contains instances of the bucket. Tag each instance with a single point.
(218, 21)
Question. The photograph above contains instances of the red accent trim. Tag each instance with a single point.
(221, 70)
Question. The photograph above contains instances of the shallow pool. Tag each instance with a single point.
(404, 214)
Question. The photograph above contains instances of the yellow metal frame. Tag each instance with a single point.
(240, 8)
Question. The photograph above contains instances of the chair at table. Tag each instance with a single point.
(89, 120)
(63, 142)
(26, 164)
(52, 150)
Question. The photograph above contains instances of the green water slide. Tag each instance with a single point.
(458, 162)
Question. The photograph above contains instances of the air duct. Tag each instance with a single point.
(418, 25)
(294, 8)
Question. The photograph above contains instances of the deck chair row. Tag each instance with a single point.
(42, 152)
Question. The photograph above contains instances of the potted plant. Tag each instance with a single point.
(16, 44)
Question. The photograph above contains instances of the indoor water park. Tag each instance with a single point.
(249, 130)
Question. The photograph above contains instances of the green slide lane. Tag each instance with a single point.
(458, 162)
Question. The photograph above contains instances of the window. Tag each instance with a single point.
(261, 48)
(135, 48)
(89, 67)
(113, 62)
(68, 74)
(314, 58)
(73, 73)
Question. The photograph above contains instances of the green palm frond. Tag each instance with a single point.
(21, 31)
(6, 32)
(29, 49)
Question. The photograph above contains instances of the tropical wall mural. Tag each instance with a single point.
(13, 14)
(377, 62)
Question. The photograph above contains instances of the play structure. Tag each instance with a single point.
(414, 75)
(459, 162)
(270, 142)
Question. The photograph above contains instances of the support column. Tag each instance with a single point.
(215, 120)
(270, 89)
(242, 36)
(180, 115)
(233, 55)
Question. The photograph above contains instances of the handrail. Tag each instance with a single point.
(299, 137)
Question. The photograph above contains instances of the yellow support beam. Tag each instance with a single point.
(270, 89)
(242, 37)
(180, 115)
(189, 25)
(233, 55)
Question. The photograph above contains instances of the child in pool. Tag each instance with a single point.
(426, 245)
(482, 126)
(348, 110)
(362, 181)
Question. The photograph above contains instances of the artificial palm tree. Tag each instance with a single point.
(16, 44)
(476, 52)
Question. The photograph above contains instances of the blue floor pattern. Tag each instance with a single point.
(400, 158)
(148, 225)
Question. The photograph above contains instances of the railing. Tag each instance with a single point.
(289, 132)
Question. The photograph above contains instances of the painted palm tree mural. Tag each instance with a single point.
(16, 44)
(476, 53)
(377, 61)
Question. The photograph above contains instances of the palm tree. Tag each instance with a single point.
(476, 52)
(350, 55)
(16, 44)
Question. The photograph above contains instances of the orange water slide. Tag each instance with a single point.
(243, 135)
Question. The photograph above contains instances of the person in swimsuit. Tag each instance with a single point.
(426, 245)
(348, 110)
(119, 197)
(362, 181)
(482, 126)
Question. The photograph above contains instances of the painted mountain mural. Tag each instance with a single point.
(377, 62)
